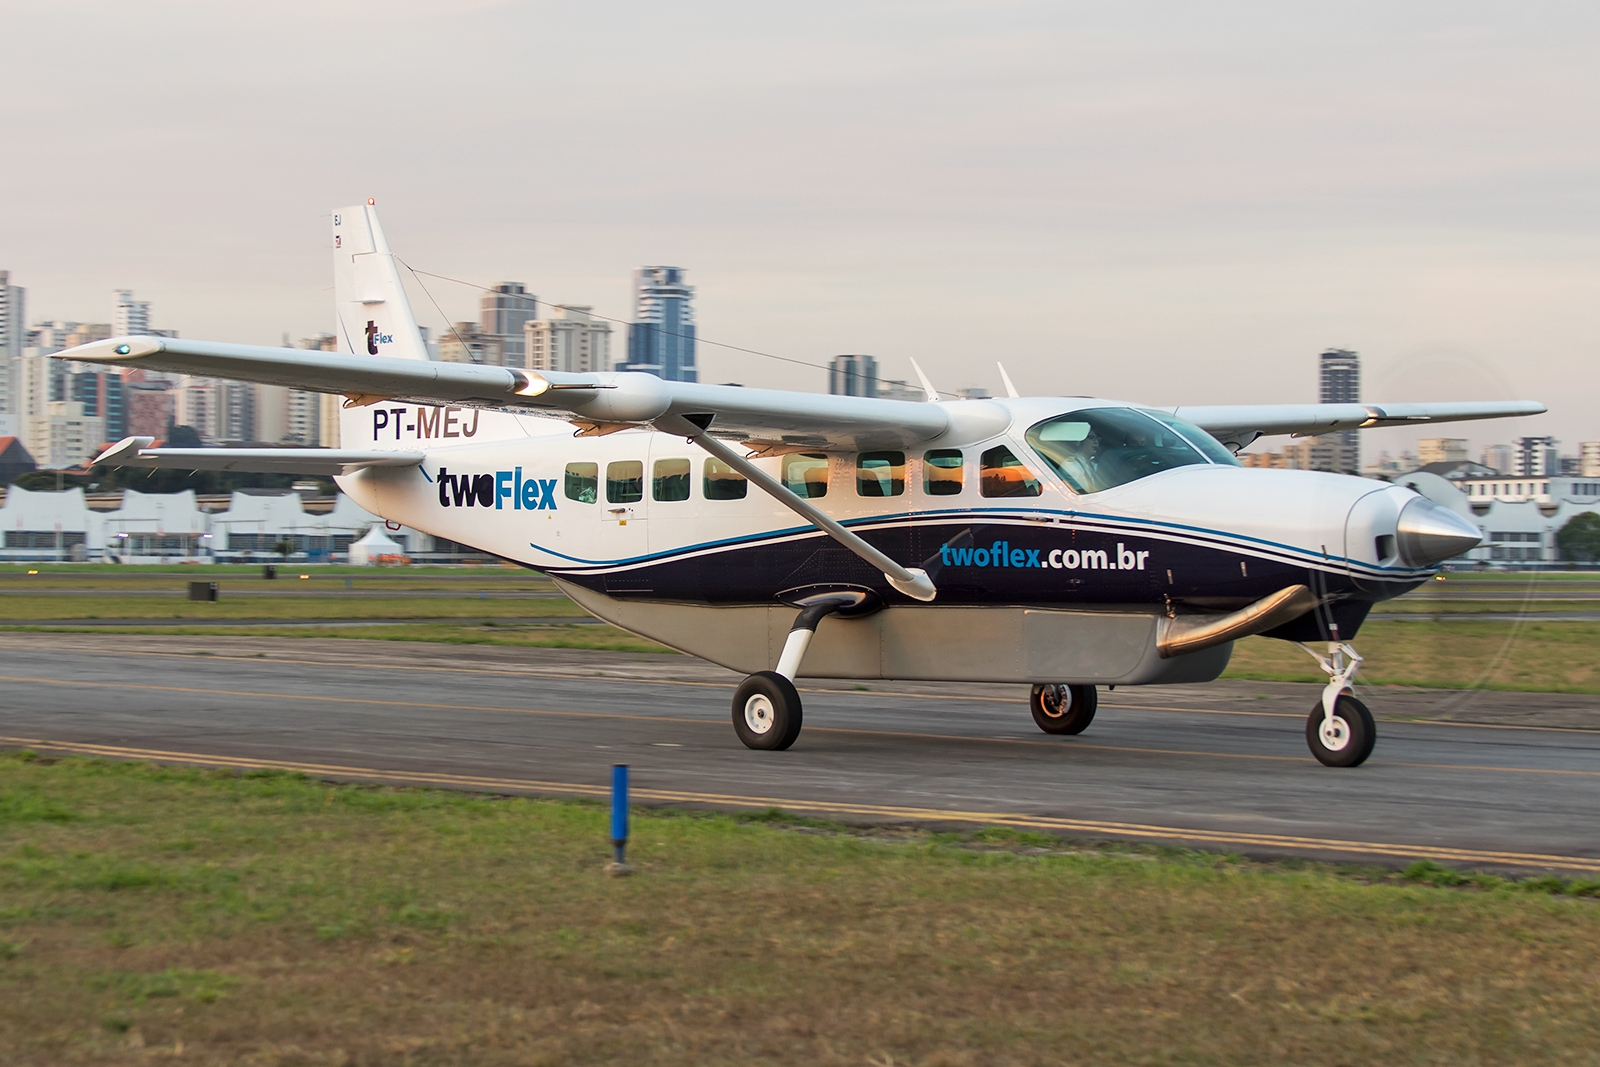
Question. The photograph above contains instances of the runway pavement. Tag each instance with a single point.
(1488, 780)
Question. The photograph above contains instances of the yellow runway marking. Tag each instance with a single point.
(824, 807)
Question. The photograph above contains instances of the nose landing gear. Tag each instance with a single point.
(1340, 730)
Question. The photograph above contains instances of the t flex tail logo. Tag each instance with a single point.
(492, 490)
(375, 338)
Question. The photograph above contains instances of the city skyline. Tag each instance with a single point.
(1165, 203)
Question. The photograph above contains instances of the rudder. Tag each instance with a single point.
(373, 315)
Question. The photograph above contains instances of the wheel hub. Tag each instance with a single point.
(1055, 701)
(1334, 733)
(759, 714)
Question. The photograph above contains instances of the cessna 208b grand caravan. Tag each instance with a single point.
(1066, 542)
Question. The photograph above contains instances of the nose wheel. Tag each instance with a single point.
(1063, 709)
(1345, 738)
(1340, 730)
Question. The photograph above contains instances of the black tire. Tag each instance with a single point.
(1355, 736)
(766, 698)
(1063, 709)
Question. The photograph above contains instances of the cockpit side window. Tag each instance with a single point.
(1097, 448)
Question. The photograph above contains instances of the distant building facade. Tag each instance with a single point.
(1338, 382)
(661, 338)
(502, 313)
(465, 342)
(571, 340)
(853, 376)
(1589, 459)
(199, 403)
(13, 337)
(1535, 457)
(64, 436)
(1441, 450)
(150, 409)
(129, 316)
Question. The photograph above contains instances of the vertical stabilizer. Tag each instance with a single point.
(374, 316)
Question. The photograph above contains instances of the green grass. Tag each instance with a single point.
(1559, 657)
(262, 918)
(588, 635)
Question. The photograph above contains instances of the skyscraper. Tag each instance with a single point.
(661, 337)
(501, 314)
(13, 330)
(1339, 373)
(853, 376)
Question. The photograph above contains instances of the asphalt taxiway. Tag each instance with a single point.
(1479, 779)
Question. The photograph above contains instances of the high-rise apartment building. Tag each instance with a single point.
(1339, 382)
(199, 403)
(502, 313)
(239, 412)
(129, 316)
(13, 335)
(1535, 457)
(661, 336)
(63, 435)
(853, 376)
(571, 340)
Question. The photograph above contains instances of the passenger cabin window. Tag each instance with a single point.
(942, 471)
(1098, 448)
(805, 474)
(722, 482)
(583, 482)
(880, 474)
(625, 481)
(1001, 473)
(670, 480)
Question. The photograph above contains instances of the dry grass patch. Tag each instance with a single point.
(270, 919)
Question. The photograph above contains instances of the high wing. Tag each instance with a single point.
(136, 452)
(765, 418)
(1236, 425)
(768, 420)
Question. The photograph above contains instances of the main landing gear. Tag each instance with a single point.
(766, 706)
(1339, 730)
(1063, 709)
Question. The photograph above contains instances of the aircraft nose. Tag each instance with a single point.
(1429, 534)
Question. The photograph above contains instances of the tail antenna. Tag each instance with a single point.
(1011, 390)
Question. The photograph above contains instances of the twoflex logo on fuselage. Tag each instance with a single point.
(1001, 554)
(493, 490)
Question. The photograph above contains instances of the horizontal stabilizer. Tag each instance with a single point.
(136, 452)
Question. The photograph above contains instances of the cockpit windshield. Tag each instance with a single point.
(1098, 448)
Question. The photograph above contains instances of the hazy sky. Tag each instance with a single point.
(1173, 202)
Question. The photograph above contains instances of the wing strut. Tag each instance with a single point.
(912, 581)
